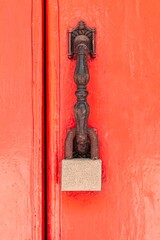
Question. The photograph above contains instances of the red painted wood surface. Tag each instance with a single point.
(124, 97)
(21, 188)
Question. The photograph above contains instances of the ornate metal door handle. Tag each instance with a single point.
(82, 141)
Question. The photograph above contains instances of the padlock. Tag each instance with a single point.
(81, 168)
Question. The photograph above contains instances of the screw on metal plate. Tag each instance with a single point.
(81, 141)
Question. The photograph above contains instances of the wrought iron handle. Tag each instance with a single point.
(82, 141)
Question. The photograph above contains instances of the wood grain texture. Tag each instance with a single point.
(21, 151)
(124, 96)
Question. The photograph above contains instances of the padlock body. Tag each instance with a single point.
(81, 174)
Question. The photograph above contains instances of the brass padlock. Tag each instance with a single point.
(81, 168)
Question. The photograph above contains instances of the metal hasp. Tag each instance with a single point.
(82, 141)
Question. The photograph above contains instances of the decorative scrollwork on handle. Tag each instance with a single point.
(82, 141)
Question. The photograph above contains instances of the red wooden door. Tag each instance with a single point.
(21, 148)
(124, 97)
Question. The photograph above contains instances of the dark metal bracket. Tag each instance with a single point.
(81, 141)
